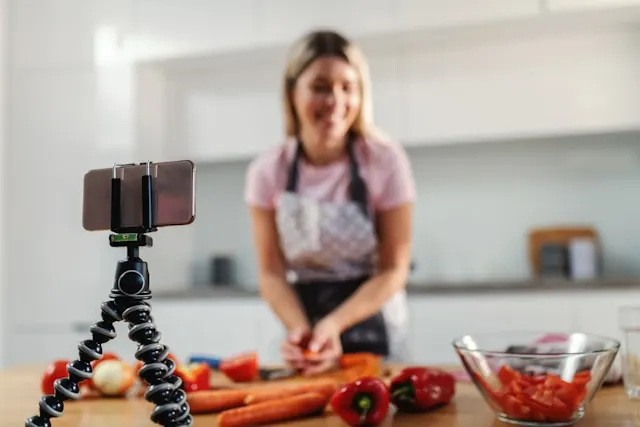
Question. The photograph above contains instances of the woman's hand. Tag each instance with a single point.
(325, 348)
(292, 348)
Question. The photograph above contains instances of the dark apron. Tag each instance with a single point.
(320, 298)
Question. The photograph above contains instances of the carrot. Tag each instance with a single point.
(323, 387)
(207, 401)
(274, 410)
(367, 364)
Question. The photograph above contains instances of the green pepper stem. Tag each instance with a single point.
(402, 391)
(364, 404)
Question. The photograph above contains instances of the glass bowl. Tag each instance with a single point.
(537, 378)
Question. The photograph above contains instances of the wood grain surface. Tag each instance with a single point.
(20, 395)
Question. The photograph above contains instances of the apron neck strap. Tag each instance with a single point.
(357, 187)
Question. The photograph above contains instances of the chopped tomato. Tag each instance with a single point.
(536, 398)
(54, 371)
(195, 376)
(241, 368)
(506, 374)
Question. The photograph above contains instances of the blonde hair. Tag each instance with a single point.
(328, 43)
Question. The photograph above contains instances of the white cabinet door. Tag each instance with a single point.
(169, 28)
(437, 320)
(452, 13)
(228, 112)
(40, 347)
(575, 5)
(389, 98)
(481, 91)
(270, 336)
(283, 21)
(218, 328)
(42, 343)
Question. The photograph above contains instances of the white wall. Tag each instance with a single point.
(4, 17)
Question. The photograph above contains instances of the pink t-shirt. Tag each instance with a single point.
(384, 167)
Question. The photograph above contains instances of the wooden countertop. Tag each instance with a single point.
(20, 394)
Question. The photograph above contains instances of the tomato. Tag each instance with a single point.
(241, 368)
(546, 398)
(54, 371)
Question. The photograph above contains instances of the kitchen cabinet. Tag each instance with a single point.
(220, 328)
(232, 325)
(236, 116)
(454, 13)
(42, 343)
(468, 89)
(170, 29)
(437, 320)
(576, 5)
(513, 89)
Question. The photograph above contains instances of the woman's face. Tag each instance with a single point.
(327, 100)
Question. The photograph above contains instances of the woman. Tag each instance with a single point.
(331, 212)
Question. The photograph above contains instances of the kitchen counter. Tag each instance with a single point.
(20, 390)
(426, 289)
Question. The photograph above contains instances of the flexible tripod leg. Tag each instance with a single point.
(172, 409)
(52, 405)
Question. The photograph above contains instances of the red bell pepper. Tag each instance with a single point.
(418, 389)
(195, 376)
(362, 402)
(241, 368)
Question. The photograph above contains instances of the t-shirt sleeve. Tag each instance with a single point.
(260, 183)
(398, 187)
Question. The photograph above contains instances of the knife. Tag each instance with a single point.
(272, 374)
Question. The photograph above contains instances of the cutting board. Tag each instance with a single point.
(557, 235)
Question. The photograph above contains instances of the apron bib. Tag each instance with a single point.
(331, 248)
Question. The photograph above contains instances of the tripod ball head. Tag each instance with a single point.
(132, 277)
(131, 282)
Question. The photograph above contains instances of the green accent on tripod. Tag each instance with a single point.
(129, 237)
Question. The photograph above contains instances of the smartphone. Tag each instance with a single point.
(173, 195)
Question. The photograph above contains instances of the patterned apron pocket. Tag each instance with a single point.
(299, 224)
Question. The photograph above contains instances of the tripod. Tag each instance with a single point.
(128, 302)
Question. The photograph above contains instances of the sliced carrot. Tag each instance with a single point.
(274, 410)
(209, 401)
(324, 387)
(367, 364)
(358, 359)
